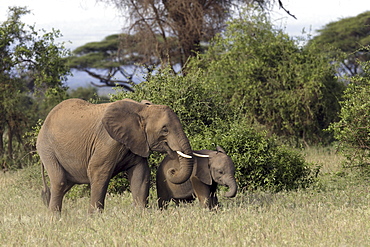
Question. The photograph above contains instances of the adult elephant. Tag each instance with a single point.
(84, 143)
(210, 169)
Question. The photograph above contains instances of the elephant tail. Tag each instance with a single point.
(45, 193)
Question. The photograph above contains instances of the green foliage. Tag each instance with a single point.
(260, 162)
(116, 56)
(87, 93)
(194, 101)
(269, 78)
(251, 72)
(349, 35)
(32, 69)
(353, 128)
(31, 136)
(99, 55)
(28, 56)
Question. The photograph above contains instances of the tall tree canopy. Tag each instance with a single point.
(271, 79)
(114, 64)
(155, 22)
(161, 33)
(350, 35)
(29, 63)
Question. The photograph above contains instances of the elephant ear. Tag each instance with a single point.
(202, 168)
(220, 149)
(124, 124)
(146, 102)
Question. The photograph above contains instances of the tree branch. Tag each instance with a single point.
(287, 11)
(127, 85)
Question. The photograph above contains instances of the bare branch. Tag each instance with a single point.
(108, 81)
(287, 11)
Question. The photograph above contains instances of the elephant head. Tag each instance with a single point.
(218, 167)
(144, 127)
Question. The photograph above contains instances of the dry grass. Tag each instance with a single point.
(334, 212)
(328, 158)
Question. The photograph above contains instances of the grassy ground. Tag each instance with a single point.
(334, 212)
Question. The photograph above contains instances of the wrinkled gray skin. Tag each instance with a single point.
(83, 143)
(206, 175)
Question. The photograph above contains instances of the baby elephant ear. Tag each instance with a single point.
(146, 102)
(124, 124)
(220, 149)
(202, 170)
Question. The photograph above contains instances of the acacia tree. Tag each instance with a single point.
(162, 33)
(31, 65)
(113, 64)
(155, 22)
(351, 36)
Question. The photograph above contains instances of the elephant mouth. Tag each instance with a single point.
(163, 147)
(160, 146)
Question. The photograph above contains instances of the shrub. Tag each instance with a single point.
(260, 162)
(272, 79)
(195, 102)
(353, 129)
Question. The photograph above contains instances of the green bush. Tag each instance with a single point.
(87, 93)
(270, 78)
(260, 162)
(195, 102)
(32, 72)
(353, 129)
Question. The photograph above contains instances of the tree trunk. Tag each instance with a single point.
(10, 142)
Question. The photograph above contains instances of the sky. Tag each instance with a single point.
(315, 14)
(80, 21)
(83, 21)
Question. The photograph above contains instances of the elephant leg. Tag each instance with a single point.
(57, 191)
(99, 176)
(58, 184)
(202, 192)
(176, 201)
(98, 193)
(213, 200)
(98, 187)
(139, 176)
(162, 191)
(213, 196)
(162, 203)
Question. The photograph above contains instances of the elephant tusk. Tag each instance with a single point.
(183, 155)
(201, 155)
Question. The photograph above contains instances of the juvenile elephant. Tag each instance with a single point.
(210, 169)
(83, 143)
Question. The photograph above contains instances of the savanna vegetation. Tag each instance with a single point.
(297, 133)
(351, 37)
(332, 212)
(32, 71)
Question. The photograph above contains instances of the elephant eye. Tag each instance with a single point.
(221, 171)
(165, 130)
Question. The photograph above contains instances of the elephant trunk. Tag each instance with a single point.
(231, 183)
(186, 161)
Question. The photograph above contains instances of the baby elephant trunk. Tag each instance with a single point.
(231, 183)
